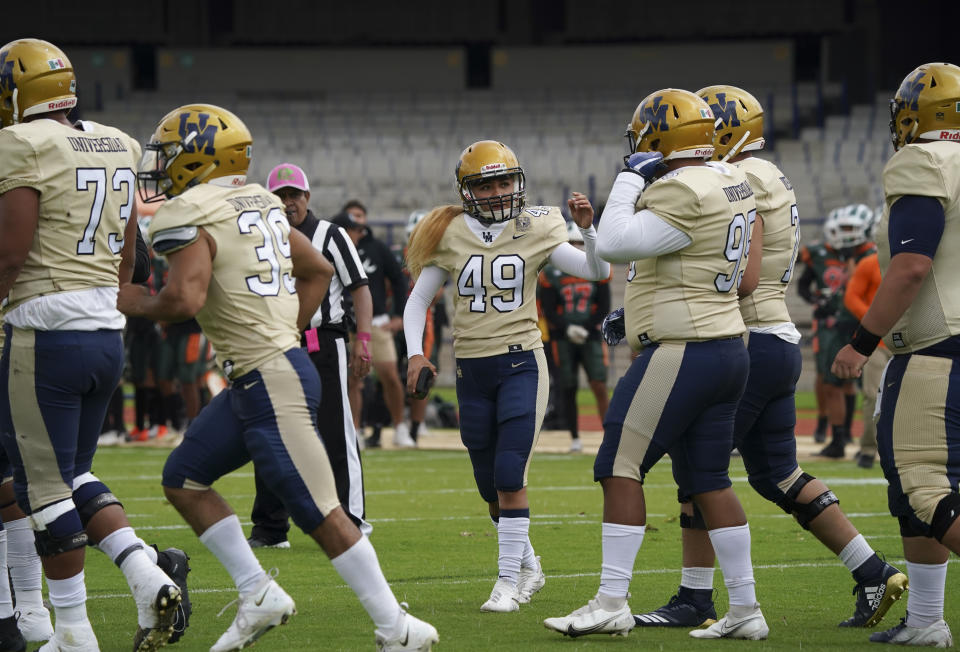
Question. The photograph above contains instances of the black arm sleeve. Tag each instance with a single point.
(548, 306)
(807, 280)
(398, 282)
(603, 307)
(141, 266)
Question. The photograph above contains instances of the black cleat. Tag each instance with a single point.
(677, 613)
(832, 450)
(11, 640)
(174, 562)
(875, 596)
(865, 461)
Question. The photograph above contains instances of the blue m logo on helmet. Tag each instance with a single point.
(725, 111)
(656, 114)
(205, 133)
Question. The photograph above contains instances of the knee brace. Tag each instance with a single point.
(57, 529)
(90, 496)
(694, 522)
(806, 512)
(948, 511)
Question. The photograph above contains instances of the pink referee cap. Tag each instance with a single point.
(287, 175)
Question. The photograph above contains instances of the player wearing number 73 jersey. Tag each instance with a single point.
(493, 248)
(253, 284)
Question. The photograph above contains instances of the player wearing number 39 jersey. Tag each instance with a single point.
(253, 284)
(493, 248)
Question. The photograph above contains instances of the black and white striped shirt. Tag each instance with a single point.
(334, 243)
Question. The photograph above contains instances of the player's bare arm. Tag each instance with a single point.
(128, 254)
(19, 214)
(186, 290)
(363, 310)
(751, 275)
(313, 274)
(897, 290)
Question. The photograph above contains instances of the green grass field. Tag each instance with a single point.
(439, 551)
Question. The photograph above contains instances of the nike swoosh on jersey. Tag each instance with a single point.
(903, 242)
(517, 364)
(249, 385)
(518, 235)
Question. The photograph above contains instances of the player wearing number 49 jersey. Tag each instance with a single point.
(493, 248)
(766, 415)
(253, 284)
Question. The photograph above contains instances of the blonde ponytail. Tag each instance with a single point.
(427, 235)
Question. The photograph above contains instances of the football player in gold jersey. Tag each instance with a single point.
(917, 312)
(493, 247)
(684, 226)
(67, 238)
(253, 284)
(766, 416)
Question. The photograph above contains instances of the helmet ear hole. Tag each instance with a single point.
(654, 145)
(725, 138)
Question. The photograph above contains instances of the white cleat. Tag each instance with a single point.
(593, 619)
(402, 438)
(576, 446)
(72, 638)
(257, 612)
(157, 597)
(415, 634)
(531, 580)
(935, 635)
(503, 599)
(34, 623)
(752, 627)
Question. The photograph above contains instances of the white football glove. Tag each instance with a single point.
(577, 334)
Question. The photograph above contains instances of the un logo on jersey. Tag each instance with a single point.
(203, 141)
(909, 94)
(724, 111)
(655, 113)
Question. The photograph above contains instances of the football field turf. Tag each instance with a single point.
(438, 549)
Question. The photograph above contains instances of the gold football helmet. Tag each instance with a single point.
(35, 77)
(927, 105)
(195, 143)
(739, 120)
(481, 162)
(674, 122)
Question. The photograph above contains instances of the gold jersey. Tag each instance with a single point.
(86, 180)
(251, 310)
(777, 207)
(691, 294)
(495, 271)
(928, 170)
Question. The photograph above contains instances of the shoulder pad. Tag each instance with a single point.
(170, 240)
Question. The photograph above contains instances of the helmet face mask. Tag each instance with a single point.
(485, 163)
(197, 143)
(36, 77)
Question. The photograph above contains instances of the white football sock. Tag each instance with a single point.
(117, 541)
(697, 578)
(732, 545)
(529, 556)
(360, 569)
(226, 541)
(69, 599)
(925, 597)
(512, 538)
(24, 564)
(620, 544)
(6, 600)
(855, 553)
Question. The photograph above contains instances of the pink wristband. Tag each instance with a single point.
(363, 338)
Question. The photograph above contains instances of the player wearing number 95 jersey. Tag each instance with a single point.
(684, 226)
(493, 247)
(766, 415)
(253, 284)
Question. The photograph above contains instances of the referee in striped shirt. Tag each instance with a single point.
(326, 342)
